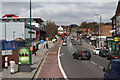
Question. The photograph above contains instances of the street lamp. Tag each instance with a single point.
(100, 28)
(30, 35)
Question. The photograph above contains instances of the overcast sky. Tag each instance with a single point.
(63, 13)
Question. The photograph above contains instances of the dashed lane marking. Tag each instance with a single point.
(61, 54)
(101, 67)
(96, 64)
(93, 63)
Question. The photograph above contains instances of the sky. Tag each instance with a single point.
(62, 12)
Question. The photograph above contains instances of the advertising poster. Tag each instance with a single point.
(24, 55)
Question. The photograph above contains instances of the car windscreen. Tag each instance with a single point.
(85, 52)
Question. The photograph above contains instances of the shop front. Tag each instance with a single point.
(113, 44)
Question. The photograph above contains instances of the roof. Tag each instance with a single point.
(8, 15)
(117, 10)
(60, 28)
(23, 18)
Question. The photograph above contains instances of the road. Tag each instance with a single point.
(81, 68)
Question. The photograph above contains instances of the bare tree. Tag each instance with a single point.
(51, 29)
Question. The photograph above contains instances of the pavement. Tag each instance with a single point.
(36, 63)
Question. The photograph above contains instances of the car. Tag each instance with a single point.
(65, 40)
(82, 54)
(112, 56)
(64, 43)
(103, 53)
(79, 43)
(54, 40)
(113, 70)
(96, 50)
(74, 43)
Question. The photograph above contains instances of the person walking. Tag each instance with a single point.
(47, 45)
(12, 66)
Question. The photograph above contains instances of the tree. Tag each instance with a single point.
(51, 29)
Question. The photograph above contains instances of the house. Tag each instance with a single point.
(113, 42)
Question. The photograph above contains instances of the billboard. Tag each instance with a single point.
(23, 55)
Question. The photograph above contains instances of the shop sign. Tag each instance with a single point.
(7, 52)
(116, 39)
(110, 39)
(24, 55)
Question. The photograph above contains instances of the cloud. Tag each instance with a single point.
(63, 12)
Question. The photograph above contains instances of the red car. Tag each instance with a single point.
(74, 43)
(113, 56)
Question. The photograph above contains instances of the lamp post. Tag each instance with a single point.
(100, 28)
(30, 35)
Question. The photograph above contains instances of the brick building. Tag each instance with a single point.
(95, 38)
(113, 42)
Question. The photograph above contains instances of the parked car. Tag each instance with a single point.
(82, 54)
(113, 70)
(113, 56)
(96, 50)
(103, 52)
(80, 43)
(74, 43)
(64, 43)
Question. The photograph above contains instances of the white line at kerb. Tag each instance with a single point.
(93, 63)
(60, 66)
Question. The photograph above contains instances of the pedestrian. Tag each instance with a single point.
(12, 66)
(47, 45)
(44, 44)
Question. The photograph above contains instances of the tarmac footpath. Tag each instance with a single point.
(50, 68)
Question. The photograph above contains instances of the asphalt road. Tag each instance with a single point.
(81, 68)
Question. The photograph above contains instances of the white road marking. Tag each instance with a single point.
(101, 67)
(60, 66)
(61, 54)
(93, 63)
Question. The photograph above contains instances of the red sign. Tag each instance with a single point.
(62, 35)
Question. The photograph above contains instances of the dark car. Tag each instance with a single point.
(113, 56)
(80, 43)
(113, 70)
(103, 52)
(82, 54)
